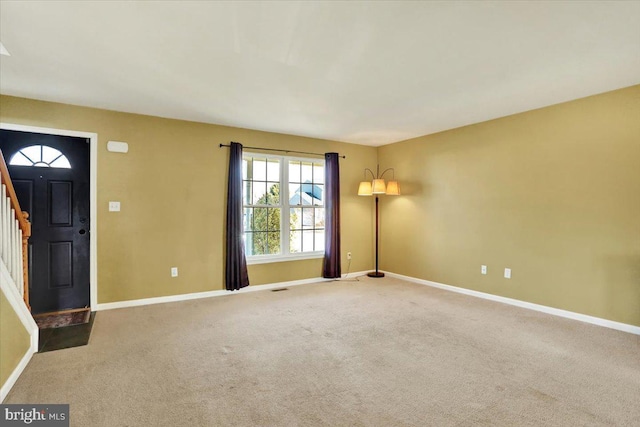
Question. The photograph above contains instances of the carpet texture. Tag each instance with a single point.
(379, 352)
(61, 320)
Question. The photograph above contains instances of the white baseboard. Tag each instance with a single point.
(624, 327)
(210, 294)
(17, 304)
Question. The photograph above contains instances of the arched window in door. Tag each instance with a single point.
(40, 156)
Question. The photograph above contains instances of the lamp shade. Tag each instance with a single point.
(393, 189)
(379, 187)
(365, 188)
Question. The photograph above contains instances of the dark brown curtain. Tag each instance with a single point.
(331, 265)
(236, 275)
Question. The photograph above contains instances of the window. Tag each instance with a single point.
(283, 207)
(40, 156)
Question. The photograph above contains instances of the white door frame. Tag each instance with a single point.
(93, 195)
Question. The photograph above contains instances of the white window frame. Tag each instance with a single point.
(285, 212)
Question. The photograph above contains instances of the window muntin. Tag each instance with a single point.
(306, 203)
(40, 156)
(283, 204)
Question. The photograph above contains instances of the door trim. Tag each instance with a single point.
(93, 194)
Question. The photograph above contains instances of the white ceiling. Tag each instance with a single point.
(362, 72)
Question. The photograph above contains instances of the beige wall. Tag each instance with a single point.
(172, 187)
(554, 194)
(14, 339)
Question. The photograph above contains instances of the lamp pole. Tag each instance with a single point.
(378, 186)
(376, 273)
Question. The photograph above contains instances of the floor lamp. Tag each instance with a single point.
(377, 186)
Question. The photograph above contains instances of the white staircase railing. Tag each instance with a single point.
(15, 231)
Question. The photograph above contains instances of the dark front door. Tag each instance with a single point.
(51, 177)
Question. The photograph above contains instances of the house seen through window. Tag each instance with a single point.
(40, 156)
(283, 206)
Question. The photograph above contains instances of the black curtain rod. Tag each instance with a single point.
(282, 151)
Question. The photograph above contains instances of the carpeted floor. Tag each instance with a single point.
(380, 352)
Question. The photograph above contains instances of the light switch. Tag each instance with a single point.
(114, 206)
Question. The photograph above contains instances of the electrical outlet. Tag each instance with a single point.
(507, 273)
(348, 255)
(174, 271)
(114, 206)
(483, 269)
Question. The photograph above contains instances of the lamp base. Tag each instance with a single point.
(375, 274)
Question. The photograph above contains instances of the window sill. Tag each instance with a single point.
(266, 259)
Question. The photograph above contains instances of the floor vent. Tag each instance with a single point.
(278, 290)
